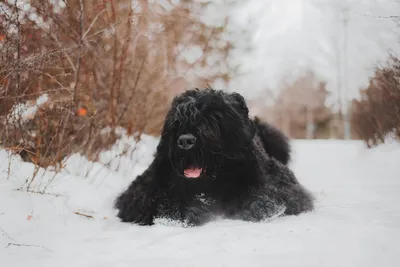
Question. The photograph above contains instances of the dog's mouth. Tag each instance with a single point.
(193, 172)
(192, 165)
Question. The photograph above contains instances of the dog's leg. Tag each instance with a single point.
(257, 206)
(283, 185)
(278, 193)
(197, 213)
(192, 212)
(138, 203)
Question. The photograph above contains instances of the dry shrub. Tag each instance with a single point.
(377, 113)
(104, 63)
(301, 104)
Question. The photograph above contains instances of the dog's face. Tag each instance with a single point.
(203, 128)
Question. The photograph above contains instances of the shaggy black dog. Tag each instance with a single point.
(213, 160)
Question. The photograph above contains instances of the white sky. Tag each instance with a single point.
(293, 35)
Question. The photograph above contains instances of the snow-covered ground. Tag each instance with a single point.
(356, 221)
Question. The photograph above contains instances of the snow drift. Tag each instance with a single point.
(356, 221)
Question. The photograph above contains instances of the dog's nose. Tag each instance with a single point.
(186, 141)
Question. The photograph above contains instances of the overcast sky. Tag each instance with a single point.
(290, 36)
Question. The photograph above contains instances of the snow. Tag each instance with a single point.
(356, 221)
(26, 111)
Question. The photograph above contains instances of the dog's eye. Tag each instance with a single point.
(209, 131)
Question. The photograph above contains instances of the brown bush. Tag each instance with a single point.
(377, 113)
(101, 63)
(298, 104)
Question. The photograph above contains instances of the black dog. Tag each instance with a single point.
(213, 159)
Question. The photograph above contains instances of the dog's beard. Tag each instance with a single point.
(190, 164)
(196, 164)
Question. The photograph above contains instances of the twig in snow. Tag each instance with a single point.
(9, 166)
(378, 17)
(34, 174)
(25, 245)
(5, 233)
(41, 193)
(84, 215)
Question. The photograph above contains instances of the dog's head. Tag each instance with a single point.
(204, 127)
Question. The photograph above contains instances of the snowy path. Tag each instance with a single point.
(356, 221)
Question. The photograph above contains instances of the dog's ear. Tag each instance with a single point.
(249, 128)
(240, 103)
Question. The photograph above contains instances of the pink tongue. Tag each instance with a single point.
(192, 173)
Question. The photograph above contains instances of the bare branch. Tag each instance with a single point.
(18, 46)
(5, 234)
(84, 215)
(91, 24)
(24, 245)
(132, 92)
(78, 61)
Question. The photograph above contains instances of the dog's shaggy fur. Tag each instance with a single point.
(241, 167)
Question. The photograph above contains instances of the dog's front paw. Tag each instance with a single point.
(260, 208)
(136, 207)
(197, 214)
